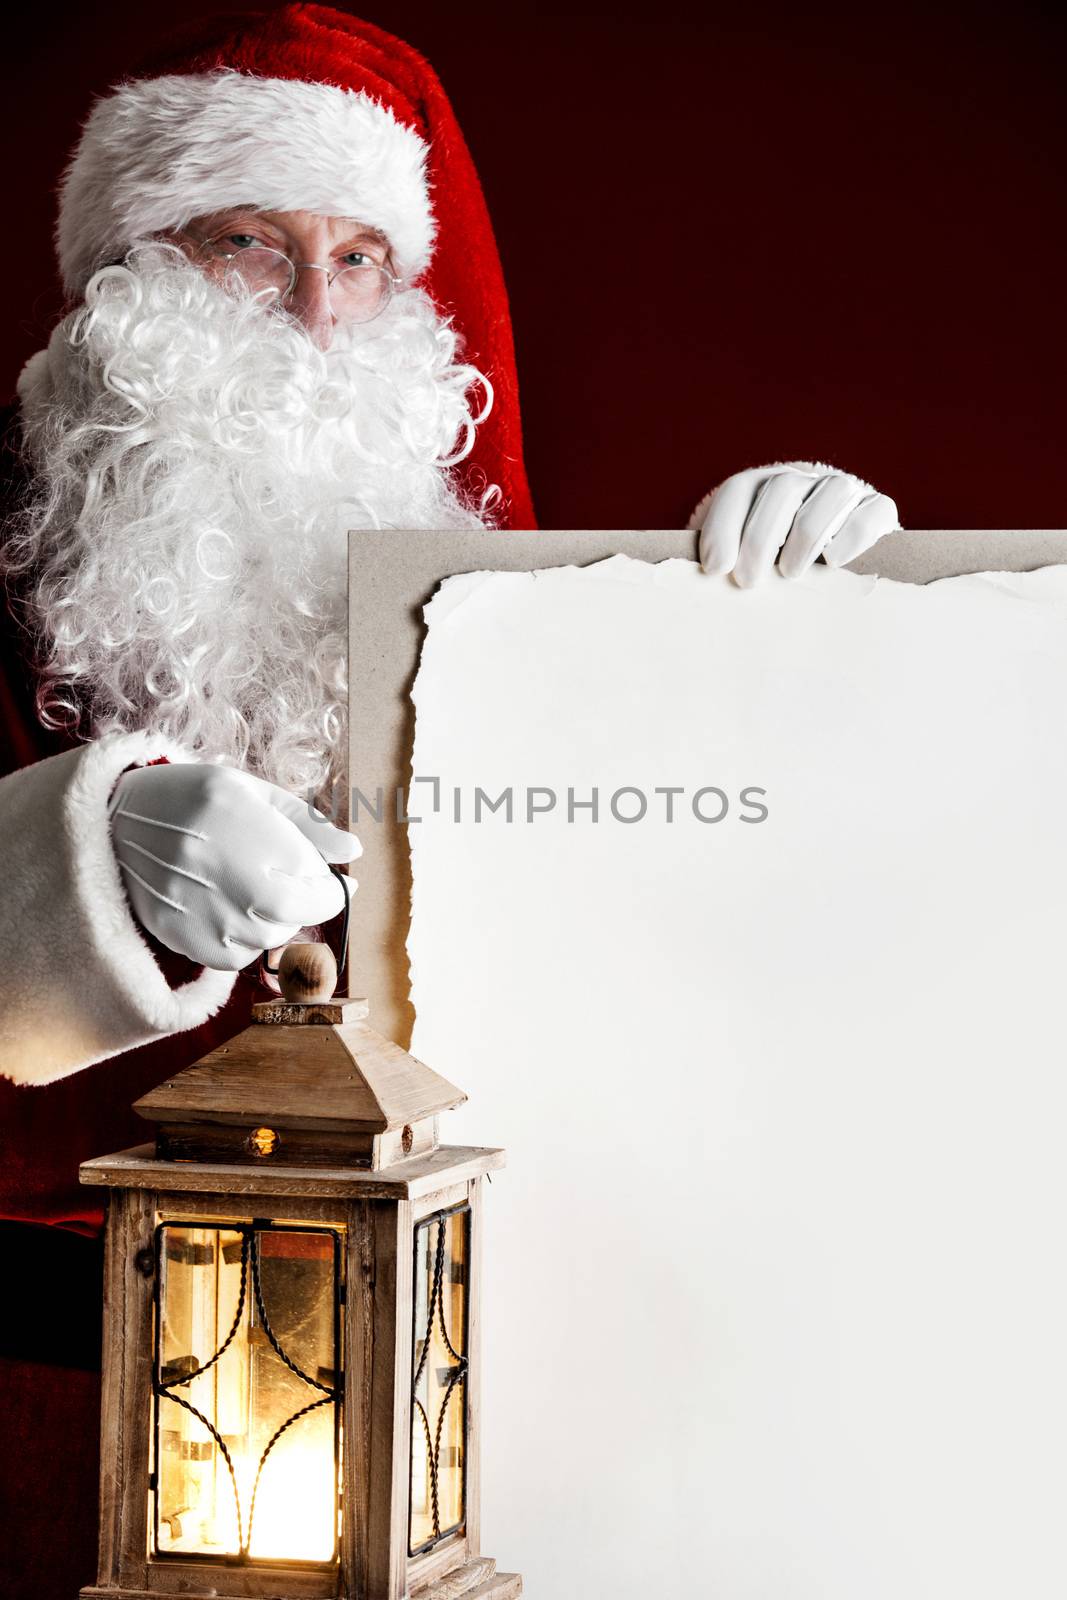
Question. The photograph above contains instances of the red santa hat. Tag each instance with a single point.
(305, 108)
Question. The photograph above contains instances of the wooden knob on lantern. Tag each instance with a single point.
(307, 973)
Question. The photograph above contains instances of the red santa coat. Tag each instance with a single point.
(88, 1001)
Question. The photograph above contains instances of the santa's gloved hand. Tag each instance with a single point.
(791, 512)
(220, 865)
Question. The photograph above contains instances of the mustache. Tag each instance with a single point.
(157, 340)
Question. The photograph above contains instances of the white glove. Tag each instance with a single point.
(791, 512)
(220, 865)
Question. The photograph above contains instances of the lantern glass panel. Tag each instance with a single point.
(247, 1392)
(439, 1378)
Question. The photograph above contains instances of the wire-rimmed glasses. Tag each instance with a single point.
(358, 293)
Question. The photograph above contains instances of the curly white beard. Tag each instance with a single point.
(197, 462)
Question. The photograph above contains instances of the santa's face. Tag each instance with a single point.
(324, 272)
(199, 454)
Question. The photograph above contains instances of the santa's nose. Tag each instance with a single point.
(309, 304)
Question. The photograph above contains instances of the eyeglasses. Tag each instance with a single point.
(357, 293)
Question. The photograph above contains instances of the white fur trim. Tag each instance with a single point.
(156, 152)
(79, 983)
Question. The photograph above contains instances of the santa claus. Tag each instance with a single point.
(286, 319)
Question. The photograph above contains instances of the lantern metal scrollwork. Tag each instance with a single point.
(439, 1382)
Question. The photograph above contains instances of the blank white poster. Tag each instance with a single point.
(774, 1285)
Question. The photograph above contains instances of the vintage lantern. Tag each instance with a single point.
(291, 1325)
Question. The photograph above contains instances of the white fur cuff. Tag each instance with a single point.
(79, 983)
(157, 152)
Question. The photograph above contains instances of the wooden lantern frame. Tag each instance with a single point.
(376, 1209)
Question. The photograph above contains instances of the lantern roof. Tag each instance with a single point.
(300, 1074)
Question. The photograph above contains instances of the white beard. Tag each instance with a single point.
(197, 463)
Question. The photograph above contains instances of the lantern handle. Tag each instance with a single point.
(345, 913)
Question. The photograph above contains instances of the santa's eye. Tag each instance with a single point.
(356, 258)
(241, 241)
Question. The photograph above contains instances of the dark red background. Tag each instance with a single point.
(756, 234)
